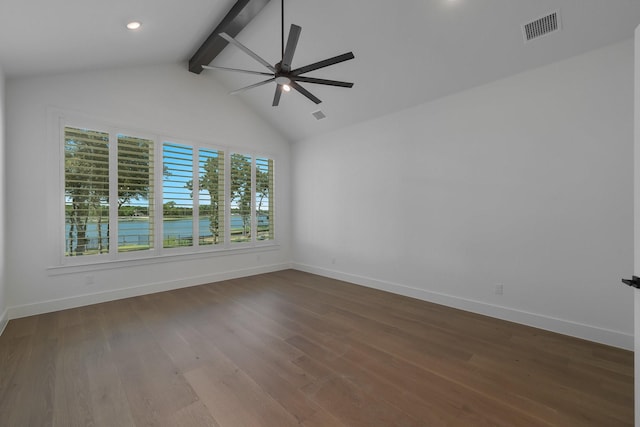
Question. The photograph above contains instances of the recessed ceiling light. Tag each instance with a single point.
(134, 25)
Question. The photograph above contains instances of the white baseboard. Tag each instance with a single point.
(49, 306)
(562, 326)
(4, 319)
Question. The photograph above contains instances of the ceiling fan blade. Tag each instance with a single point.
(305, 92)
(214, 67)
(292, 42)
(237, 91)
(246, 50)
(276, 97)
(321, 81)
(322, 64)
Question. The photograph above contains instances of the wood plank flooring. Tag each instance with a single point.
(295, 349)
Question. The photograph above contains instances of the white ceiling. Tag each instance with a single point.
(407, 51)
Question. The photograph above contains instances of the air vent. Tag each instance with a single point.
(541, 27)
(319, 115)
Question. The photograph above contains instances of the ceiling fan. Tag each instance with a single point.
(281, 73)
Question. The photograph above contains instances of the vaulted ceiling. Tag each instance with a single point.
(407, 52)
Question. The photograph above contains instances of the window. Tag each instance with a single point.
(177, 197)
(240, 198)
(87, 192)
(211, 197)
(251, 198)
(136, 211)
(207, 201)
(264, 193)
(86, 186)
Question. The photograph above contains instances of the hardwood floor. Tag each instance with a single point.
(291, 348)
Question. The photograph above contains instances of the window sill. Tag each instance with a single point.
(158, 259)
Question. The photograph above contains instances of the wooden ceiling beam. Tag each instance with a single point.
(238, 17)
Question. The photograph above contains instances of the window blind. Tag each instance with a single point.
(265, 209)
(211, 198)
(136, 216)
(177, 198)
(125, 193)
(86, 188)
(240, 198)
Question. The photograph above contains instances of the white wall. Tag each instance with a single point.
(3, 301)
(167, 100)
(525, 182)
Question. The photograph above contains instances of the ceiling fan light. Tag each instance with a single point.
(286, 88)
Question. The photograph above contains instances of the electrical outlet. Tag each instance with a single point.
(499, 289)
(333, 260)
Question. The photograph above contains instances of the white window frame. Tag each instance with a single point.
(157, 253)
